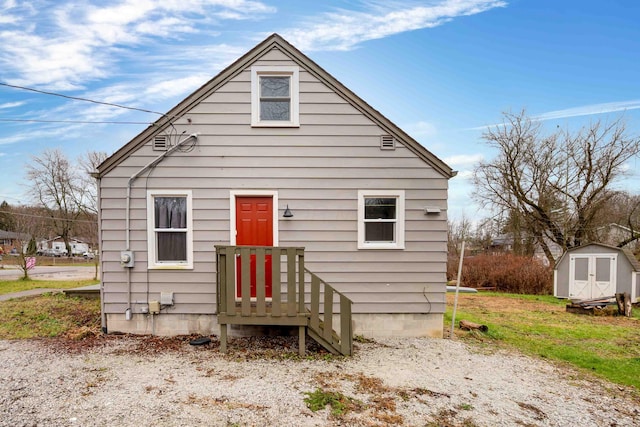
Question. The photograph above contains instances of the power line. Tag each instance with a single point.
(75, 121)
(48, 217)
(77, 98)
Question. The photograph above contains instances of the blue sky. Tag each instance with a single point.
(441, 69)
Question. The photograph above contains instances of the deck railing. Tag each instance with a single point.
(271, 291)
(321, 326)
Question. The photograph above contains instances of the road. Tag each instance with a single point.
(68, 272)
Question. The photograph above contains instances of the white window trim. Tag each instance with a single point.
(278, 71)
(251, 193)
(399, 235)
(151, 235)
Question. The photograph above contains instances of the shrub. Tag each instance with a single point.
(505, 272)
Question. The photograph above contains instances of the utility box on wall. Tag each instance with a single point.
(166, 298)
(154, 307)
(126, 258)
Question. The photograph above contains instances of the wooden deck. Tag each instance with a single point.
(292, 299)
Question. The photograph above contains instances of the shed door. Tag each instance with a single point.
(592, 276)
(254, 227)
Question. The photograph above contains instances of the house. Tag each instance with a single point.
(596, 270)
(613, 233)
(10, 240)
(273, 153)
(57, 245)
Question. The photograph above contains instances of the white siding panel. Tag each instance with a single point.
(317, 169)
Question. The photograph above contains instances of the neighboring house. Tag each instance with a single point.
(505, 242)
(57, 245)
(554, 248)
(596, 270)
(274, 152)
(10, 240)
(612, 234)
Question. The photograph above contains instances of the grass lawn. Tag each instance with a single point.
(47, 315)
(539, 325)
(10, 286)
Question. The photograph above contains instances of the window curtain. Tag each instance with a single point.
(274, 98)
(171, 215)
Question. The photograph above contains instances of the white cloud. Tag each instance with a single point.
(11, 104)
(66, 46)
(464, 175)
(584, 110)
(344, 30)
(175, 87)
(462, 160)
(422, 128)
(588, 110)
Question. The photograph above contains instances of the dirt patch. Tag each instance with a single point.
(502, 304)
(499, 304)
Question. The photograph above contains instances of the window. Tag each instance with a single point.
(170, 229)
(381, 219)
(274, 96)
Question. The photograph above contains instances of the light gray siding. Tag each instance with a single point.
(317, 170)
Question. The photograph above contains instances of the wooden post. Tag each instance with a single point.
(302, 330)
(223, 338)
(455, 300)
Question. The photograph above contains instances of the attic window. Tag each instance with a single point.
(274, 96)
(160, 143)
(387, 142)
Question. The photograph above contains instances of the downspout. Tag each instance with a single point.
(151, 165)
(103, 316)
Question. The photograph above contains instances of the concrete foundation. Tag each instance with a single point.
(370, 325)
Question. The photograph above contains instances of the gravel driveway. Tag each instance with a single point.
(133, 381)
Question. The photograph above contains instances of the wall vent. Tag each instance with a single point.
(160, 143)
(387, 142)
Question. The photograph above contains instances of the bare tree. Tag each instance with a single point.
(54, 185)
(88, 202)
(29, 224)
(623, 210)
(459, 231)
(556, 183)
(88, 189)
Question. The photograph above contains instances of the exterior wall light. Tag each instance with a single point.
(287, 213)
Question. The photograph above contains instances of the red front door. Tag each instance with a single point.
(254, 227)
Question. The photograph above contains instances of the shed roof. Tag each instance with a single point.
(635, 264)
(271, 42)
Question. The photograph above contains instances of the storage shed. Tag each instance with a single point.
(596, 270)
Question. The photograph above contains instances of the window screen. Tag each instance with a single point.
(380, 216)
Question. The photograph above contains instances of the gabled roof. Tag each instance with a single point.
(635, 264)
(275, 41)
(10, 235)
